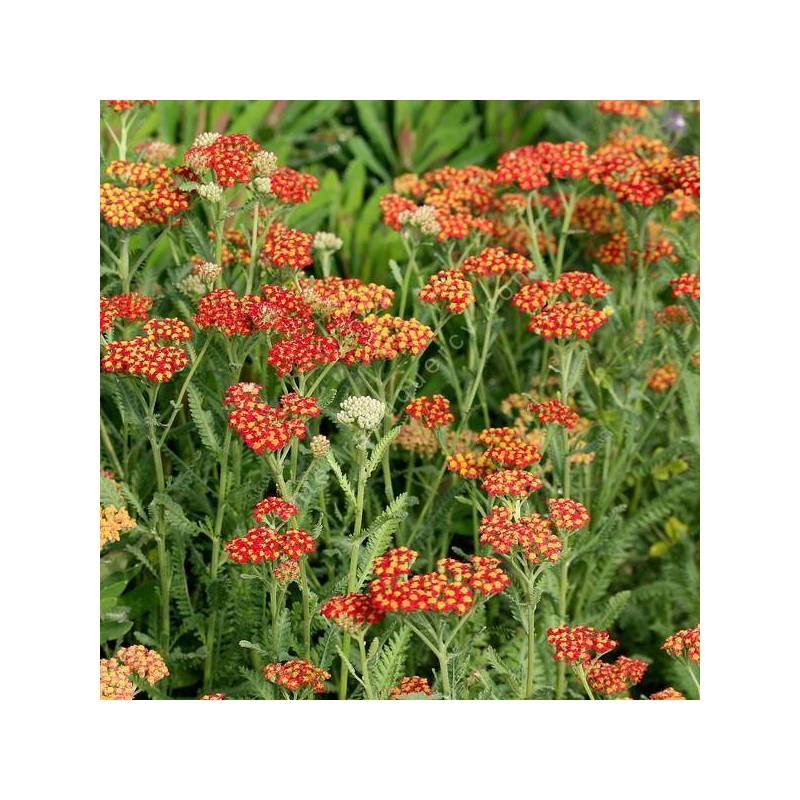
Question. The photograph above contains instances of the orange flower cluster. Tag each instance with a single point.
(614, 252)
(392, 206)
(411, 685)
(637, 109)
(297, 674)
(147, 664)
(214, 696)
(302, 353)
(449, 590)
(563, 320)
(131, 206)
(568, 515)
(113, 521)
(597, 214)
(142, 356)
(533, 535)
(554, 412)
(511, 483)
(497, 261)
(668, 694)
(657, 248)
(531, 166)
(169, 329)
(274, 507)
(288, 247)
(577, 644)
(684, 643)
(352, 612)
(115, 682)
(346, 296)
(387, 337)
(229, 156)
(224, 310)
(432, 412)
(581, 284)
(610, 679)
(449, 287)
(133, 306)
(268, 544)
(469, 465)
(661, 378)
(687, 284)
(513, 453)
(673, 315)
(291, 186)
(533, 296)
(263, 427)
(492, 436)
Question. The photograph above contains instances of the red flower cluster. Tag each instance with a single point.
(554, 412)
(450, 590)
(562, 320)
(297, 674)
(577, 644)
(511, 483)
(410, 685)
(497, 261)
(610, 679)
(291, 186)
(287, 247)
(686, 642)
(687, 284)
(274, 507)
(263, 427)
(127, 105)
(229, 157)
(581, 284)
(533, 296)
(531, 166)
(533, 535)
(268, 544)
(169, 330)
(673, 315)
(392, 206)
(449, 287)
(432, 412)
(214, 696)
(142, 356)
(302, 353)
(224, 310)
(352, 611)
(568, 515)
(133, 306)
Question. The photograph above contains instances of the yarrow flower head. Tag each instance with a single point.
(327, 242)
(296, 675)
(146, 663)
(394, 562)
(365, 413)
(684, 643)
(687, 284)
(352, 612)
(169, 330)
(511, 483)
(411, 685)
(274, 507)
(214, 696)
(230, 157)
(577, 644)
(132, 307)
(292, 187)
(142, 356)
(115, 682)
(661, 378)
(267, 544)
(424, 219)
(568, 515)
(432, 412)
(224, 310)
(449, 287)
(113, 521)
(554, 412)
(562, 320)
(287, 247)
(533, 535)
(668, 694)
(319, 446)
(619, 676)
(497, 261)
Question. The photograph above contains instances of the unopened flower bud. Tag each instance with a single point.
(364, 412)
(319, 446)
(210, 191)
(265, 163)
(327, 241)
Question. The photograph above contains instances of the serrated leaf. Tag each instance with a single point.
(202, 420)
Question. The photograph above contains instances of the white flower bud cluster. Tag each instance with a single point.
(423, 218)
(364, 412)
(205, 139)
(263, 185)
(207, 271)
(265, 163)
(210, 191)
(192, 285)
(319, 446)
(327, 241)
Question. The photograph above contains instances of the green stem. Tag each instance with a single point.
(411, 267)
(693, 677)
(182, 391)
(124, 264)
(306, 609)
(110, 448)
(253, 251)
(582, 675)
(444, 672)
(362, 649)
